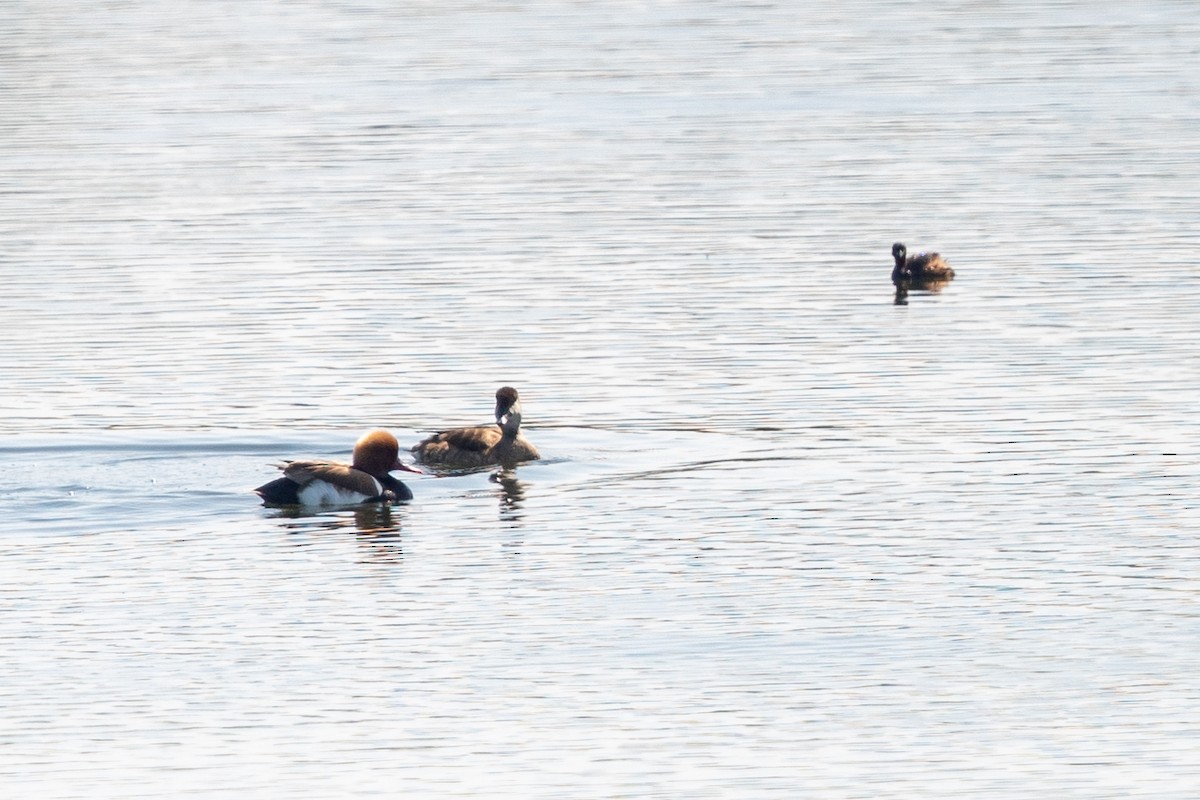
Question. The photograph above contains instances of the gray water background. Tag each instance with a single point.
(788, 540)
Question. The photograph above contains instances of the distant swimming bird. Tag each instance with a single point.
(923, 268)
(330, 483)
(484, 444)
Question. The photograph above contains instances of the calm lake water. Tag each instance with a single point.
(788, 540)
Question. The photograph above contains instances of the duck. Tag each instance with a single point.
(331, 483)
(482, 445)
(919, 270)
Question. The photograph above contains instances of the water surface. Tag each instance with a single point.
(789, 539)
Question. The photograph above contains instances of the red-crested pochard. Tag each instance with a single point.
(485, 444)
(330, 483)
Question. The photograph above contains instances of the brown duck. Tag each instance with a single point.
(482, 445)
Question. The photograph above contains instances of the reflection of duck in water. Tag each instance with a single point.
(512, 493)
(330, 483)
(922, 271)
(375, 520)
(483, 444)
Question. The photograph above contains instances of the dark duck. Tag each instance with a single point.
(922, 271)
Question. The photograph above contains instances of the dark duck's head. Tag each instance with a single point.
(900, 272)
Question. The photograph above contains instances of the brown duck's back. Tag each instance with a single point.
(474, 447)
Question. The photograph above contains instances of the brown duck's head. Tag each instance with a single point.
(378, 453)
(899, 251)
(508, 409)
